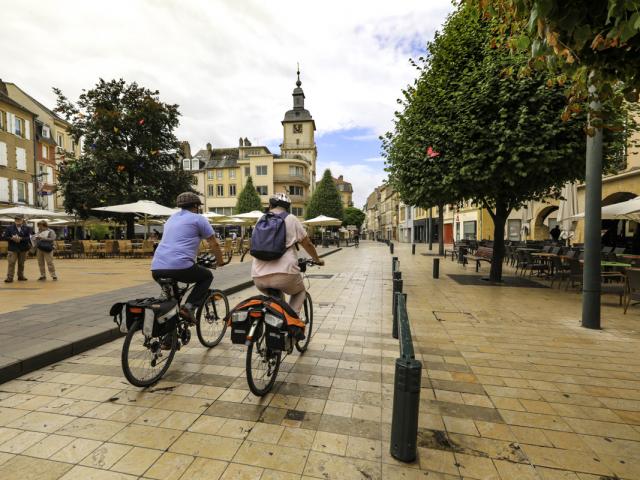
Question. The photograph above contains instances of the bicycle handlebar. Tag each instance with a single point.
(209, 261)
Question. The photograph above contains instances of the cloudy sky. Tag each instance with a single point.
(230, 64)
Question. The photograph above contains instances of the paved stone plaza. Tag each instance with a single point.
(513, 388)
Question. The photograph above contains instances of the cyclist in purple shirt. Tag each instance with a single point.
(176, 254)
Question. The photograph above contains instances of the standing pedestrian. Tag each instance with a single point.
(19, 237)
(43, 241)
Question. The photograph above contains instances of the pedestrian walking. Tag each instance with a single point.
(44, 243)
(19, 237)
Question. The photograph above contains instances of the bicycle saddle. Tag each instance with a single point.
(167, 281)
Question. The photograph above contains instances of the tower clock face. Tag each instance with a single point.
(297, 128)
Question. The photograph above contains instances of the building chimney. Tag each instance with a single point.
(247, 143)
(186, 150)
(241, 142)
(341, 178)
(3, 88)
(209, 147)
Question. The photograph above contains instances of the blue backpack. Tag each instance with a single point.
(269, 239)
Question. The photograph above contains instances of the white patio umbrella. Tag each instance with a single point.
(31, 212)
(212, 216)
(568, 207)
(251, 217)
(147, 208)
(323, 221)
(629, 210)
(527, 216)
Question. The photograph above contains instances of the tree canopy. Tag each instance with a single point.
(472, 129)
(326, 199)
(353, 216)
(593, 42)
(248, 199)
(130, 149)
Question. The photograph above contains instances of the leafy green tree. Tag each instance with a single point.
(596, 44)
(497, 139)
(248, 199)
(353, 216)
(326, 199)
(130, 149)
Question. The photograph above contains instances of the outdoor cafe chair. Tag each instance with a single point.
(613, 283)
(619, 250)
(535, 264)
(546, 249)
(560, 271)
(125, 247)
(575, 273)
(632, 293)
(110, 248)
(4, 249)
(147, 248)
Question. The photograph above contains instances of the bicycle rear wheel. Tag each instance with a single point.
(211, 325)
(306, 315)
(262, 366)
(144, 362)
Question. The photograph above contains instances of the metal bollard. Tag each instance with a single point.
(413, 249)
(406, 404)
(391, 247)
(436, 268)
(397, 288)
(394, 264)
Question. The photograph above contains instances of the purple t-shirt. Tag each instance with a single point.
(180, 241)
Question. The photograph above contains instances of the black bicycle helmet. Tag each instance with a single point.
(280, 200)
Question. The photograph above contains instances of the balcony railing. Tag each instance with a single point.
(297, 179)
(293, 146)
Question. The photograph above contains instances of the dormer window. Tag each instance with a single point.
(46, 132)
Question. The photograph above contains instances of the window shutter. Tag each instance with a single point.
(10, 122)
(3, 154)
(50, 202)
(4, 189)
(14, 190)
(21, 159)
(27, 129)
(50, 175)
(30, 192)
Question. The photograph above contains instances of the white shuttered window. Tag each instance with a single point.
(14, 190)
(4, 189)
(30, 192)
(3, 154)
(21, 159)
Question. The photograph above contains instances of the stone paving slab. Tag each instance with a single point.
(42, 334)
(512, 388)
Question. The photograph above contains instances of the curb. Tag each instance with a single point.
(57, 354)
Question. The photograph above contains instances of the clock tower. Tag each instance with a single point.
(299, 134)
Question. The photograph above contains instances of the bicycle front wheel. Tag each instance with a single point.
(306, 315)
(211, 325)
(144, 361)
(262, 366)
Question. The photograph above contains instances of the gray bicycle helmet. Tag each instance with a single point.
(280, 200)
(188, 200)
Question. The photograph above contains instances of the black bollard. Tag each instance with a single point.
(395, 265)
(406, 404)
(391, 248)
(436, 268)
(397, 287)
(413, 249)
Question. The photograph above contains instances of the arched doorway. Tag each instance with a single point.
(540, 230)
(617, 233)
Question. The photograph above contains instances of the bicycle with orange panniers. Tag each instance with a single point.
(268, 326)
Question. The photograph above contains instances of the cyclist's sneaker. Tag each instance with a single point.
(187, 314)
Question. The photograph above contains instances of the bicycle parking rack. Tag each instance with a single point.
(408, 374)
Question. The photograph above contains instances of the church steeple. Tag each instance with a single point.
(298, 94)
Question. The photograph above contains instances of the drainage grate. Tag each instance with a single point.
(319, 275)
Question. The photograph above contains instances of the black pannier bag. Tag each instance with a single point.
(157, 315)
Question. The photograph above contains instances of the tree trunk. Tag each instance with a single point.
(130, 227)
(441, 230)
(499, 221)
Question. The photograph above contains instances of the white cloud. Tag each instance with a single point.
(228, 64)
(363, 178)
(374, 160)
